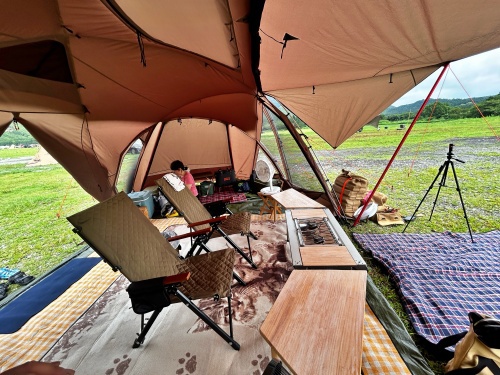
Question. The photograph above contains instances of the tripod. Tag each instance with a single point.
(444, 170)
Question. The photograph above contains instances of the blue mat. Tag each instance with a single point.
(441, 277)
(17, 312)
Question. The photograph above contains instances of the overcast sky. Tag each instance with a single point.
(479, 75)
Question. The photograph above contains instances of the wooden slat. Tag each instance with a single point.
(307, 213)
(316, 324)
(326, 256)
(291, 198)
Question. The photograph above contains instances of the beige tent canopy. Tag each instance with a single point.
(190, 78)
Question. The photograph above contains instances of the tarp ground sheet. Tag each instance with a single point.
(441, 276)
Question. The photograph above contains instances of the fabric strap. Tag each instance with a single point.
(343, 188)
(482, 363)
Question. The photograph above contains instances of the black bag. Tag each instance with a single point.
(148, 295)
(478, 351)
(216, 209)
(225, 178)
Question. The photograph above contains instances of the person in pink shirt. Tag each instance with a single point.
(183, 173)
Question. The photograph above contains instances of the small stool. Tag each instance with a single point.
(269, 205)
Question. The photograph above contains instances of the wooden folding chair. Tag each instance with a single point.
(131, 244)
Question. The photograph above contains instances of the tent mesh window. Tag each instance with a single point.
(128, 167)
(299, 171)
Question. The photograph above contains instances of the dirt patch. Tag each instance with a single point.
(473, 151)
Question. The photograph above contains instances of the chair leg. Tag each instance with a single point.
(238, 279)
(250, 234)
(230, 315)
(204, 317)
(145, 328)
(236, 247)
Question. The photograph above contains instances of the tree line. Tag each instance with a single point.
(446, 111)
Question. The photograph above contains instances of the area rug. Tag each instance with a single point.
(441, 277)
(100, 342)
(17, 312)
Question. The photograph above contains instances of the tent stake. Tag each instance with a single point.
(401, 143)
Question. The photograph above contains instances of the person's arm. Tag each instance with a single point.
(39, 368)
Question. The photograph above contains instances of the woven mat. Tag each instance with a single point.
(441, 277)
(44, 329)
(163, 224)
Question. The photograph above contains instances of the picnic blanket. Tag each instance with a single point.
(222, 195)
(441, 277)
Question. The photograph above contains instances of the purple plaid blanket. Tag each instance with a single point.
(217, 196)
(441, 276)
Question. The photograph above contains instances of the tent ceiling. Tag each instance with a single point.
(185, 24)
(136, 64)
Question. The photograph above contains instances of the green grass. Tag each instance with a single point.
(7, 153)
(35, 201)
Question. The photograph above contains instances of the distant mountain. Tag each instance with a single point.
(414, 107)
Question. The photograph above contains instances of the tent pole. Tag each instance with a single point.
(401, 143)
(278, 141)
(305, 150)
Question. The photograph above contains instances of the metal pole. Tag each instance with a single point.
(401, 143)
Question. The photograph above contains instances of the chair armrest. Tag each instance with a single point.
(208, 221)
(175, 279)
(189, 234)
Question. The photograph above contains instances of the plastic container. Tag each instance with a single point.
(206, 188)
(143, 199)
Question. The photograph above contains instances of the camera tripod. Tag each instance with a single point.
(443, 169)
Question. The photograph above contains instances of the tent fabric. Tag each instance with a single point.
(341, 109)
(133, 65)
(190, 141)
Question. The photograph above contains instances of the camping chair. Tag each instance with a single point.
(126, 240)
(199, 218)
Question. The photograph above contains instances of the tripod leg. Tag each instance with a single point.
(441, 184)
(461, 200)
(425, 195)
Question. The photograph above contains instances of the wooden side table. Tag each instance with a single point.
(291, 198)
(316, 324)
(269, 205)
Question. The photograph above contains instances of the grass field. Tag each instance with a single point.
(35, 236)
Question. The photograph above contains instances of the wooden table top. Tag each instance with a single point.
(316, 324)
(291, 198)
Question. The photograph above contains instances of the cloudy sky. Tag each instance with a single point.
(479, 75)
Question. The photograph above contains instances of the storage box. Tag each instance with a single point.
(143, 199)
(206, 188)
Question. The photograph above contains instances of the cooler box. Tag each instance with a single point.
(206, 188)
(143, 199)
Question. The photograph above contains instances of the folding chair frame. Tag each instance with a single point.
(215, 225)
(172, 284)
